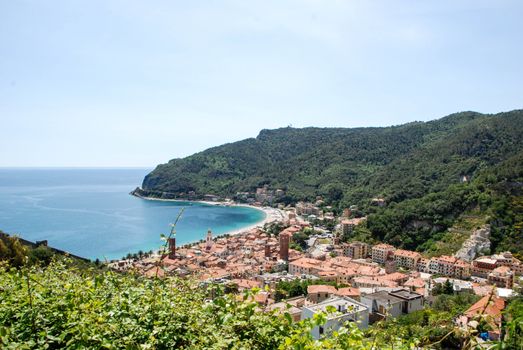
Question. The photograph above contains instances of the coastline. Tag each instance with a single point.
(271, 214)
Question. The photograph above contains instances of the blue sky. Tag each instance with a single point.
(136, 83)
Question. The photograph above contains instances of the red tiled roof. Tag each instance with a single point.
(321, 288)
(348, 292)
(489, 305)
(407, 253)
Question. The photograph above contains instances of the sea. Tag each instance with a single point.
(89, 212)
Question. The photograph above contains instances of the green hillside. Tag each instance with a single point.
(417, 168)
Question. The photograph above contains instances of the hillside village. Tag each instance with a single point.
(363, 282)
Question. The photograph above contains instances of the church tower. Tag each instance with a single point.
(208, 240)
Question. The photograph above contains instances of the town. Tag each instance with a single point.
(364, 283)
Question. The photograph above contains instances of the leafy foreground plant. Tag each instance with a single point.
(60, 307)
(67, 308)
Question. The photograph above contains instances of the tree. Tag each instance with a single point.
(40, 255)
(4, 250)
(17, 252)
(448, 287)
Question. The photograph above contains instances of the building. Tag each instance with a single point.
(320, 292)
(504, 259)
(267, 251)
(303, 266)
(423, 265)
(406, 259)
(462, 269)
(502, 277)
(350, 292)
(393, 304)
(481, 267)
(382, 305)
(307, 209)
(284, 245)
(208, 240)
(381, 252)
(443, 265)
(356, 250)
(491, 307)
(373, 282)
(172, 248)
(292, 306)
(347, 310)
(347, 226)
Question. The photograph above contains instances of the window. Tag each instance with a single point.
(321, 330)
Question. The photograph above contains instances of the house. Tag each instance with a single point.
(392, 304)
(356, 250)
(382, 305)
(462, 269)
(406, 259)
(320, 292)
(502, 277)
(350, 292)
(396, 277)
(489, 308)
(346, 310)
(381, 252)
(481, 267)
(373, 282)
(347, 226)
(293, 306)
(423, 265)
(443, 265)
(303, 266)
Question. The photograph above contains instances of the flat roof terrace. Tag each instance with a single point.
(341, 304)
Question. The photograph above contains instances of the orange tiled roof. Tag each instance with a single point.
(502, 270)
(407, 253)
(488, 305)
(383, 246)
(395, 276)
(415, 282)
(348, 292)
(355, 221)
(321, 288)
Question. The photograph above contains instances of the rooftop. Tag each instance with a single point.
(341, 304)
(405, 294)
(383, 246)
(321, 288)
(407, 253)
(384, 296)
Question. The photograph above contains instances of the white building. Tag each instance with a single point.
(347, 310)
(392, 304)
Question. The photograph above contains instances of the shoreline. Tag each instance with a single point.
(271, 214)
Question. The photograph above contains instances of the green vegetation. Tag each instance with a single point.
(16, 254)
(451, 240)
(12, 251)
(298, 287)
(68, 306)
(431, 327)
(513, 316)
(428, 173)
(60, 307)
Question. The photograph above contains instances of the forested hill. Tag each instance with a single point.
(417, 168)
(349, 165)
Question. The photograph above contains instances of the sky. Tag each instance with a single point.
(110, 83)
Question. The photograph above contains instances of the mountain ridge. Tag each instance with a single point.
(244, 165)
(425, 171)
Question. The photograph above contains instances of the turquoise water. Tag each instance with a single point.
(89, 212)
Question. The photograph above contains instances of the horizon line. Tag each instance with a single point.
(73, 167)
